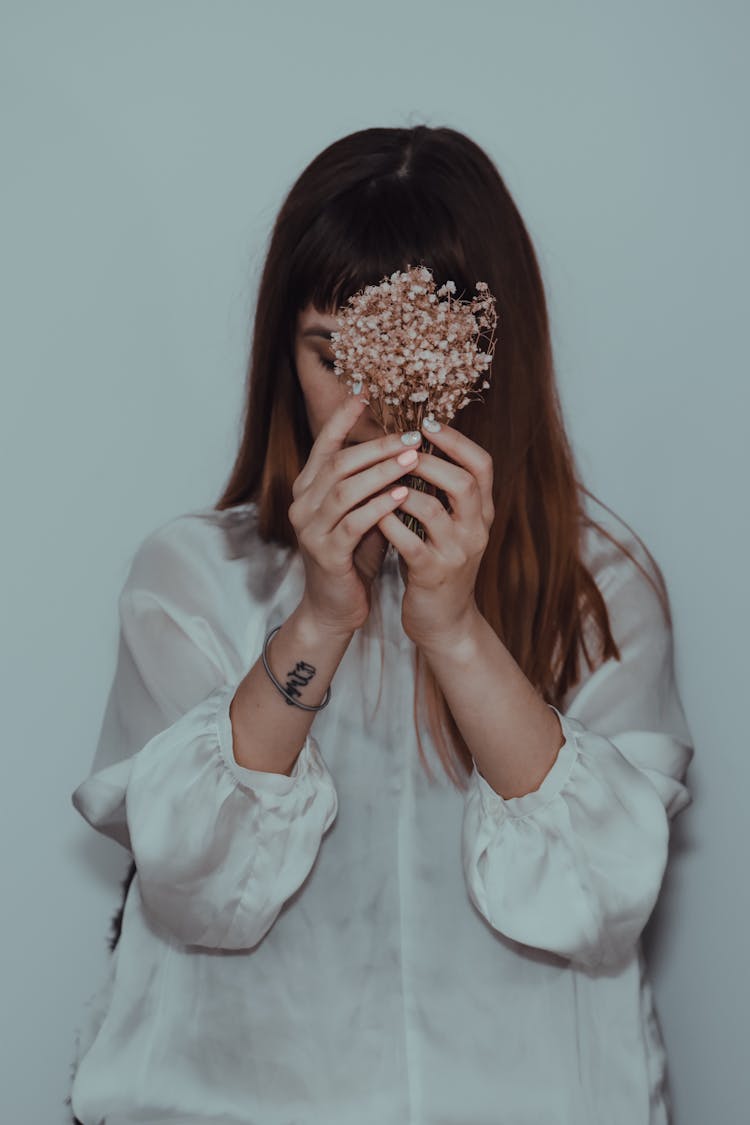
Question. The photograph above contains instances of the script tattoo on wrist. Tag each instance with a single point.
(298, 678)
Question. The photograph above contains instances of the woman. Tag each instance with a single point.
(430, 910)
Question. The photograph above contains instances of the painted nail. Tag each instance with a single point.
(408, 457)
(399, 493)
(413, 437)
(431, 425)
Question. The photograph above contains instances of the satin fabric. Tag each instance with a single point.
(356, 942)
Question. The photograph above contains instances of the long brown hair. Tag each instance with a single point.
(376, 201)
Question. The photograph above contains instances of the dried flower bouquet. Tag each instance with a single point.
(401, 345)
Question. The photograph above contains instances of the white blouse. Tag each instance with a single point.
(356, 943)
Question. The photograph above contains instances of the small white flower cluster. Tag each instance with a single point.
(404, 346)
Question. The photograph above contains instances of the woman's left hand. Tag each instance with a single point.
(440, 572)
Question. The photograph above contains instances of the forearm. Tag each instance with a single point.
(268, 733)
(512, 734)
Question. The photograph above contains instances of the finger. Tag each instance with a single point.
(470, 456)
(365, 453)
(349, 491)
(441, 529)
(350, 529)
(412, 549)
(462, 487)
(345, 463)
(331, 437)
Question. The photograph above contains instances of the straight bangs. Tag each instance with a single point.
(368, 233)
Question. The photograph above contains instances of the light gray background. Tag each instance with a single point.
(146, 147)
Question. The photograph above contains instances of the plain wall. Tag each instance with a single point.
(146, 148)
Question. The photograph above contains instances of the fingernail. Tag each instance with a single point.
(431, 425)
(399, 493)
(408, 457)
(413, 437)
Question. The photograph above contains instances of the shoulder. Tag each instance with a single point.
(201, 556)
(627, 574)
(188, 539)
(638, 689)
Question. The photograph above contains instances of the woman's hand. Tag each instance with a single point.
(440, 572)
(341, 545)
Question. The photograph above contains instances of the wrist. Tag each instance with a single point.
(315, 631)
(458, 643)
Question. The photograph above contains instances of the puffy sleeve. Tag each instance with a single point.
(218, 848)
(575, 867)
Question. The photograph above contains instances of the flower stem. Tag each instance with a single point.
(419, 484)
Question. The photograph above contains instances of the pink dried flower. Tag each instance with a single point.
(404, 347)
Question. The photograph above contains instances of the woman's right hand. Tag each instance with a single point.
(331, 513)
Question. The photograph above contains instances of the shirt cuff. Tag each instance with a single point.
(260, 780)
(554, 781)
